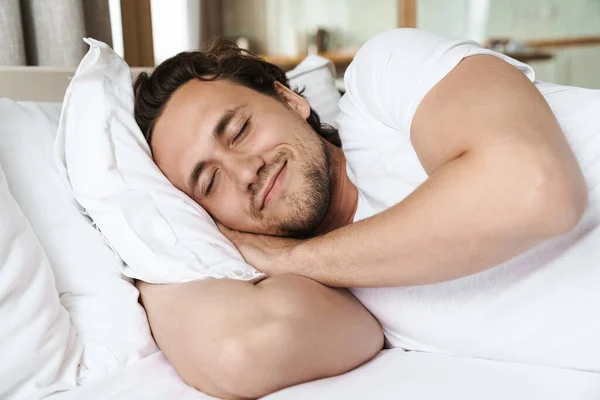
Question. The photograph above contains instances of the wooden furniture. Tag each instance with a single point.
(341, 60)
(528, 56)
(541, 49)
(564, 42)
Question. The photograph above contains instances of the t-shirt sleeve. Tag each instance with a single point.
(391, 74)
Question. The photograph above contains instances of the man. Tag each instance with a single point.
(451, 162)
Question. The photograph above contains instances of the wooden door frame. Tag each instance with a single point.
(136, 18)
(407, 13)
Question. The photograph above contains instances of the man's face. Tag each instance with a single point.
(250, 160)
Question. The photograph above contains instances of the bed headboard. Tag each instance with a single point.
(38, 83)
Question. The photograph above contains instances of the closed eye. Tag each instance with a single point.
(241, 132)
(210, 184)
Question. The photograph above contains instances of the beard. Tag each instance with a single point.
(306, 208)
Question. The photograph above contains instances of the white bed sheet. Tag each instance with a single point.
(393, 374)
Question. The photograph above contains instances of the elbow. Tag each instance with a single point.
(248, 364)
(557, 202)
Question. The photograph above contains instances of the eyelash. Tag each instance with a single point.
(211, 183)
(241, 132)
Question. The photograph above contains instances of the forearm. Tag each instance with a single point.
(234, 339)
(468, 216)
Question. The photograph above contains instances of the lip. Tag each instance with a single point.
(269, 187)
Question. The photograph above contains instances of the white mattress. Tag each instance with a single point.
(393, 374)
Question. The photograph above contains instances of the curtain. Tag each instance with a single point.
(50, 32)
(211, 20)
(12, 48)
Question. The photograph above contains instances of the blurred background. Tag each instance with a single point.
(559, 38)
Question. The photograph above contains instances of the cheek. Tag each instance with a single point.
(297, 181)
(274, 130)
(229, 209)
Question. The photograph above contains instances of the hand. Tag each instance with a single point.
(268, 254)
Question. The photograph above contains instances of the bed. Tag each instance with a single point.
(392, 374)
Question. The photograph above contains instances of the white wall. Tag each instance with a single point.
(281, 26)
(175, 27)
(519, 19)
(116, 26)
(522, 20)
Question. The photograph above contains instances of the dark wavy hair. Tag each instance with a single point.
(222, 60)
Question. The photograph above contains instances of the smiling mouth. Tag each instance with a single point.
(271, 184)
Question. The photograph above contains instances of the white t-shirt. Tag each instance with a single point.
(542, 307)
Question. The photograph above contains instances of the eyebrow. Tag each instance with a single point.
(224, 121)
(218, 132)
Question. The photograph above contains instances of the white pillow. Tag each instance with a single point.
(39, 352)
(161, 234)
(102, 303)
(316, 75)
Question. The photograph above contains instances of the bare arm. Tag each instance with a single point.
(234, 339)
(502, 179)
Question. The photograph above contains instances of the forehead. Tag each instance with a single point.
(196, 103)
(192, 109)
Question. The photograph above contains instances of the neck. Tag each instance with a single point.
(344, 195)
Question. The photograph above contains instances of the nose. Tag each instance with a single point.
(243, 169)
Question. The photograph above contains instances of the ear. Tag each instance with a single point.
(293, 99)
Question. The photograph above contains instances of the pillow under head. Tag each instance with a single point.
(161, 234)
